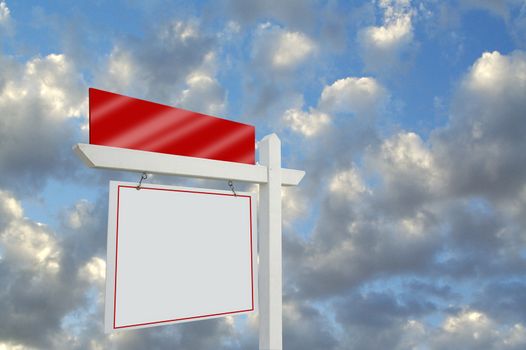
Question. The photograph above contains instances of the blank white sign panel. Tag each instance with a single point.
(178, 254)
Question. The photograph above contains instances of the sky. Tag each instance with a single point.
(409, 118)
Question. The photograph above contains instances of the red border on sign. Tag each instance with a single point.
(183, 318)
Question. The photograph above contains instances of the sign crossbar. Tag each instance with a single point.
(115, 158)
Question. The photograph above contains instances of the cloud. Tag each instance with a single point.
(378, 320)
(436, 203)
(349, 183)
(34, 299)
(94, 271)
(166, 62)
(343, 254)
(203, 93)
(407, 171)
(472, 329)
(295, 13)
(306, 327)
(177, 65)
(40, 100)
(306, 123)
(480, 148)
(270, 79)
(361, 96)
(4, 13)
(336, 131)
(363, 234)
(385, 47)
(292, 49)
(279, 50)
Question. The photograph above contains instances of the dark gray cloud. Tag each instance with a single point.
(379, 320)
(503, 300)
(306, 327)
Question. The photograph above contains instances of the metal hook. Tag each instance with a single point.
(231, 185)
(144, 176)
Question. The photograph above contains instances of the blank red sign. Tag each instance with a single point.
(126, 122)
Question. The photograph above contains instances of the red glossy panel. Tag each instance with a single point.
(127, 122)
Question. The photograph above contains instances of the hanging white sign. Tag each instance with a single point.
(178, 254)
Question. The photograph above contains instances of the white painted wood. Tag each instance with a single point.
(105, 157)
(270, 258)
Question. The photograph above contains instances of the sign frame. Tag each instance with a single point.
(267, 173)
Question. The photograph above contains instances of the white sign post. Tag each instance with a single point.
(270, 257)
(268, 174)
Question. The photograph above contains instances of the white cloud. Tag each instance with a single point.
(406, 152)
(404, 162)
(353, 95)
(363, 97)
(202, 92)
(349, 183)
(306, 123)
(94, 271)
(53, 76)
(53, 81)
(178, 31)
(291, 49)
(29, 244)
(12, 346)
(465, 329)
(294, 205)
(473, 329)
(383, 46)
(121, 69)
(9, 206)
(4, 13)
(493, 73)
(270, 81)
(281, 50)
(76, 217)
